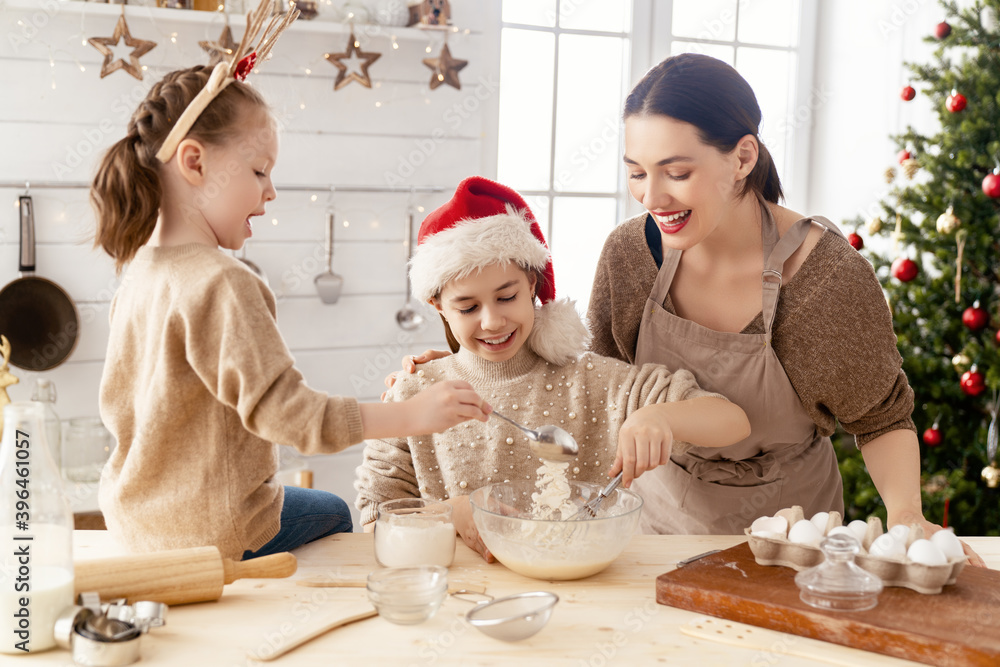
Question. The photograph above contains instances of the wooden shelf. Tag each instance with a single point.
(317, 26)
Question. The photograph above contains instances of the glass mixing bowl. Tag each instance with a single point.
(553, 550)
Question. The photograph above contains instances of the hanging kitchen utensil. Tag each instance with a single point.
(251, 265)
(36, 315)
(408, 317)
(328, 283)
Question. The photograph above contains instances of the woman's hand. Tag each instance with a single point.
(644, 442)
(410, 362)
(910, 517)
(461, 516)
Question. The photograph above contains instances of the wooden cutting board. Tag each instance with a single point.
(958, 627)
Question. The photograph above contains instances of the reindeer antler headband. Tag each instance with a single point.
(236, 67)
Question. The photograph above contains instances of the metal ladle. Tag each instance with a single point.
(329, 284)
(407, 317)
(548, 442)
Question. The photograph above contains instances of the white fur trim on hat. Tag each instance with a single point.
(559, 335)
(472, 245)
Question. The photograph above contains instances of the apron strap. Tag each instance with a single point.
(665, 276)
(773, 265)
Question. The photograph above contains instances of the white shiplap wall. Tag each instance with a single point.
(55, 121)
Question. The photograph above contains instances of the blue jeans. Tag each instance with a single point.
(306, 515)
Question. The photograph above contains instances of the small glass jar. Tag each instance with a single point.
(408, 595)
(414, 531)
(87, 447)
(837, 583)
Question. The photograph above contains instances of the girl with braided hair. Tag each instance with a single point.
(198, 383)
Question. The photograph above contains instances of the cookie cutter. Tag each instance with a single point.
(106, 636)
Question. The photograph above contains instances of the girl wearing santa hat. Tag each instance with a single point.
(482, 262)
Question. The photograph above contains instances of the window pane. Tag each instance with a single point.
(720, 51)
(774, 22)
(609, 15)
(525, 127)
(769, 73)
(539, 205)
(579, 227)
(705, 19)
(530, 12)
(588, 113)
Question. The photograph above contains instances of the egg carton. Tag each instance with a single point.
(776, 549)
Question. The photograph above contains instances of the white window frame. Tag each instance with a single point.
(653, 44)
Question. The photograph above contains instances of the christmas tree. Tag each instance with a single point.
(941, 276)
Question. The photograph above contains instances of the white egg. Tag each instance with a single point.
(819, 520)
(900, 532)
(805, 532)
(843, 530)
(886, 546)
(769, 524)
(859, 528)
(949, 545)
(926, 552)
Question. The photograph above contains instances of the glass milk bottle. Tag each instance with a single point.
(45, 393)
(36, 528)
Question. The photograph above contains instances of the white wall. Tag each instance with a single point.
(423, 137)
(860, 50)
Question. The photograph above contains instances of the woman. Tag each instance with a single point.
(695, 283)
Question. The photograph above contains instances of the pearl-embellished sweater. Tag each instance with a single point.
(590, 397)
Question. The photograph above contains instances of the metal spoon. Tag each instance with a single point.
(407, 318)
(329, 284)
(548, 442)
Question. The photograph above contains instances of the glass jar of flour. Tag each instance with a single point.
(414, 531)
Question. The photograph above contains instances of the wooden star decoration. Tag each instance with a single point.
(221, 48)
(445, 69)
(140, 47)
(352, 52)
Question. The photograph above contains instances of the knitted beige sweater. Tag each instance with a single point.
(197, 386)
(590, 397)
(832, 331)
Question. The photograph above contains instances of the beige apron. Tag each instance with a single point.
(784, 462)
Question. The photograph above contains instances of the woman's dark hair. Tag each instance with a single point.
(712, 96)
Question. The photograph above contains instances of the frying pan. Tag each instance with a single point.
(36, 315)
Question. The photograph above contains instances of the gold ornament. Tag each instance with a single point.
(221, 48)
(948, 222)
(445, 69)
(140, 47)
(6, 377)
(910, 167)
(352, 52)
(991, 475)
(873, 225)
(960, 243)
(890, 174)
(961, 362)
(897, 234)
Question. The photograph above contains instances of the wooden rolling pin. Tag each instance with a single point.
(174, 577)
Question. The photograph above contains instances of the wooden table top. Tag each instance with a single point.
(610, 618)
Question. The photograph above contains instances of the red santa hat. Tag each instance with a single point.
(487, 223)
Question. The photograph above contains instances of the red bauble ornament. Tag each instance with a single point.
(973, 382)
(856, 241)
(942, 30)
(904, 269)
(991, 184)
(975, 317)
(908, 93)
(955, 102)
(998, 336)
(903, 155)
(932, 437)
